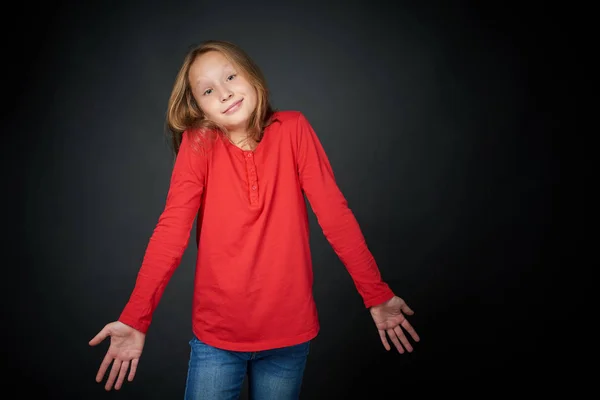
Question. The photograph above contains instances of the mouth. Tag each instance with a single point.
(233, 107)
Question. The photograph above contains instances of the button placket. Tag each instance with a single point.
(252, 178)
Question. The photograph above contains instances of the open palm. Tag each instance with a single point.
(389, 318)
(126, 345)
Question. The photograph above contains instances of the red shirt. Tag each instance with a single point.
(253, 280)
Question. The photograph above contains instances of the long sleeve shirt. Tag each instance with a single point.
(253, 283)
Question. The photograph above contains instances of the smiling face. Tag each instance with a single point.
(222, 92)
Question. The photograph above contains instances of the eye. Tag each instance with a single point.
(230, 77)
(208, 91)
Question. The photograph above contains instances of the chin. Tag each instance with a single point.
(237, 120)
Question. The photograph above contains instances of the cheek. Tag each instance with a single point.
(245, 87)
(199, 101)
(251, 93)
(208, 107)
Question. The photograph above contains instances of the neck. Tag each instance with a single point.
(237, 132)
(242, 141)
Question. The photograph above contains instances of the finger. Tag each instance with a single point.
(113, 374)
(403, 339)
(133, 369)
(394, 338)
(103, 367)
(384, 340)
(407, 310)
(100, 336)
(122, 375)
(411, 331)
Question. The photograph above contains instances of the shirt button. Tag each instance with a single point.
(254, 187)
(249, 155)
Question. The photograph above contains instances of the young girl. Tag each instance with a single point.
(243, 169)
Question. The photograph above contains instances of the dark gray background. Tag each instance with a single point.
(440, 122)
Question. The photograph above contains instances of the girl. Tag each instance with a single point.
(243, 169)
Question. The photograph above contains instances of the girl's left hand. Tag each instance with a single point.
(389, 318)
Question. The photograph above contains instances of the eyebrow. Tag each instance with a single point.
(225, 67)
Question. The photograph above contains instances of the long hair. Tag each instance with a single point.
(183, 112)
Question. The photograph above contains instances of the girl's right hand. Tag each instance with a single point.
(126, 345)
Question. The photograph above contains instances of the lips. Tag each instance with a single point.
(232, 106)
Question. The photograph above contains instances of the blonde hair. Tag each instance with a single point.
(183, 112)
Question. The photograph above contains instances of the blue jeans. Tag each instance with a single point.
(216, 374)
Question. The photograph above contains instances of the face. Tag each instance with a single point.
(222, 92)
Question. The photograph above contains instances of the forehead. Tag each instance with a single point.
(209, 66)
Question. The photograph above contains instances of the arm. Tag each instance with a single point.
(170, 237)
(163, 254)
(337, 221)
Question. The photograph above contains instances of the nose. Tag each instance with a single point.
(227, 94)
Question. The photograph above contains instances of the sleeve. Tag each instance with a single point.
(337, 221)
(170, 236)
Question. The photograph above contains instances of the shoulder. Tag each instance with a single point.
(199, 141)
(294, 125)
(291, 121)
(289, 117)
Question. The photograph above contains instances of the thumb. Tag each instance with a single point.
(100, 336)
(407, 310)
